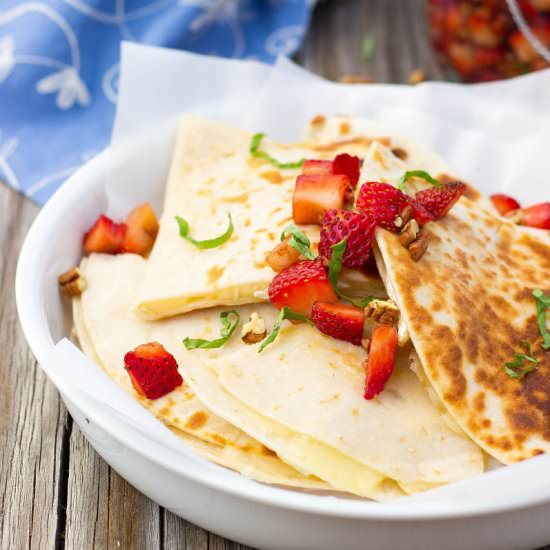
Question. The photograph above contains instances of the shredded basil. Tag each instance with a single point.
(401, 183)
(207, 243)
(543, 303)
(227, 330)
(334, 270)
(516, 369)
(367, 47)
(298, 240)
(255, 152)
(286, 313)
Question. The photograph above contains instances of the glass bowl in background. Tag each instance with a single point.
(491, 39)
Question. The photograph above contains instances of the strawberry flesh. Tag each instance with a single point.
(349, 166)
(439, 200)
(142, 230)
(537, 215)
(504, 203)
(356, 227)
(105, 236)
(341, 321)
(381, 359)
(317, 167)
(315, 194)
(300, 286)
(382, 202)
(152, 370)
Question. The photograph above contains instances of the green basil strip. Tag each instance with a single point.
(513, 370)
(298, 240)
(207, 243)
(286, 313)
(543, 303)
(255, 152)
(367, 47)
(416, 174)
(227, 330)
(334, 270)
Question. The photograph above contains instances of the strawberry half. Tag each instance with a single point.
(105, 236)
(317, 167)
(152, 370)
(341, 321)
(381, 359)
(504, 203)
(357, 227)
(382, 202)
(537, 215)
(439, 200)
(142, 228)
(349, 166)
(300, 286)
(315, 194)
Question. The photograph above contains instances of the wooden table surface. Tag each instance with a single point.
(55, 491)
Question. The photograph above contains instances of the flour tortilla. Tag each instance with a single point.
(213, 174)
(107, 327)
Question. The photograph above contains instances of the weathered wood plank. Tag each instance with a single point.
(31, 415)
(103, 510)
(182, 535)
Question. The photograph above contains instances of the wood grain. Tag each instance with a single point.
(55, 491)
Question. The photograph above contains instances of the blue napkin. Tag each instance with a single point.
(59, 68)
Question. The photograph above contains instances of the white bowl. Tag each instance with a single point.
(508, 508)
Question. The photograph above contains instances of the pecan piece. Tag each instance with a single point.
(402, 219)
(409, 233)
(254, 331)
(419, 246)
(72, 283)
(382, 311)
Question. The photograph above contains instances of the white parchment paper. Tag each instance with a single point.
(496, 136)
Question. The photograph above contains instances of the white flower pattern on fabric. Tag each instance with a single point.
(69, 88)
(284, 41)
(7, 56)
(7, 148)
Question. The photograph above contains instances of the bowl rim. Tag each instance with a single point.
(30, 307)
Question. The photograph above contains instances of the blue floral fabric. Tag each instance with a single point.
(59, 68)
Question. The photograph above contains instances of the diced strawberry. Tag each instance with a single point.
(537, 215)
(152, 370)
(300, 286)
(461, 55)
(341, 321)
(482, 31)
(382, 202)
(504, 203)
(317, 167)
(381, 359)
(420, 214)
(282, 256)
(439, 200)
(349, 166)
(357, 227)
(142, 230)
(105, 236)
(313, 195)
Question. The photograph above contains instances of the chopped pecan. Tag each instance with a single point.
(72, 283)
(402, 219)
(419, 246)
(400, 153)
(254, 331)
(382, 311)
(409, 233)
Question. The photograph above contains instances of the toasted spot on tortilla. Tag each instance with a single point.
(355, 412)
(479, 401)
(537, 452)
(377, 156)
(318, 121)
(214, 273)
(272, 176)
(267, 451)
(271, 236)
(247, 222)
(219, 439)
(259, 265)
(197, 420)
(345, 128)
(242, 198)
(361, 141)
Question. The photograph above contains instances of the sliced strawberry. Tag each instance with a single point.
(381, 359)
(382, 202)
(282, 256)
(341, 321)
(300, 286)
(357, 227)
(105, 236)
(313, 195)
(152, 370)
(420, 214)
(439, 200)
(142, 230)
(317, 167)
(349, 166)
(537, 215)
(504, 203)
